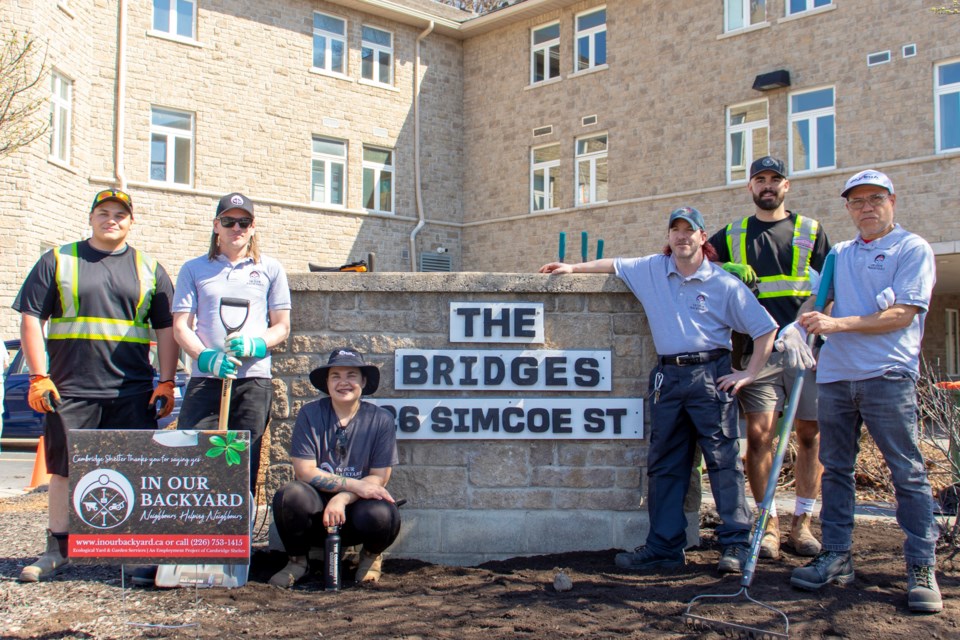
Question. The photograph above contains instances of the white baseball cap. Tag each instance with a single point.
(870, 176)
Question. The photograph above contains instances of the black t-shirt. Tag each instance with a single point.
(108, 287)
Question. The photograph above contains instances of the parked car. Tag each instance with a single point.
(22, 422)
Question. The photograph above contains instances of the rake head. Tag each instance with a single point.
(735, 629)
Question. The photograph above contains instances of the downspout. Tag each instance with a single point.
(121, 178)
(416, 147)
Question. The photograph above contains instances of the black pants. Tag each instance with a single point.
(249, 411)
(298, 514)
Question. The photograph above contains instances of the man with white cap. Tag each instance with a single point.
(693, 306)
(867, 375)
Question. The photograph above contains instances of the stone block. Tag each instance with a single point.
(431, 487)
(557, 532)
(438, 453)
(612, 499)
(499, 465)
(511, 499)
(419, 532)
(486, 531)
(574, 477)
(280, 407)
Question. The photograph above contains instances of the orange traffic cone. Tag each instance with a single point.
(40, 475)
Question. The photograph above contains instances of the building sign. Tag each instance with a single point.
(515, 418)
(512, 370)
(496, 322)
(159, 496)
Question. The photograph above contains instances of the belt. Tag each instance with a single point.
(694, 357)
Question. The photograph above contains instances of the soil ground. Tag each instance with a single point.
(509, 599)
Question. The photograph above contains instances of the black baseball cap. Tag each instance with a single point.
(346, 357)
(768, 163)
(234, 201)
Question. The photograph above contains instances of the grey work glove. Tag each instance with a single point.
(792, 341)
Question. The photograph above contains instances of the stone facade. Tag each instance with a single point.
(476, 500)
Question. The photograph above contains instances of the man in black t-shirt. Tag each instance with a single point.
(782, 248)
(98, 299)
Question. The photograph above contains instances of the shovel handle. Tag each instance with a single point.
(225, 404)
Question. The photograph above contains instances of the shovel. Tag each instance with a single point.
(228, 320)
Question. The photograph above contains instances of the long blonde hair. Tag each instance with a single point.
(253, 247)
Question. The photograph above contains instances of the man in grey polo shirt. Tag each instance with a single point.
(867, 374)
(233, 268)
(692, 305)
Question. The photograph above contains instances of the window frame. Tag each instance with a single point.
(939, 91)
(172, 134)
(327, 159)
(548, 167)
(329, 36)
(377, 49)
(747, 13)
(379, 169)
(746, 143)
(591, 34)
(172, 23)
(544, 48)
(812, 116)
(809, 5)
(591, 158)
(952, 342)
(61, 133)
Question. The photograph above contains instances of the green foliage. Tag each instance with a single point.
(228, 447)
(20, 78)
(946, 11)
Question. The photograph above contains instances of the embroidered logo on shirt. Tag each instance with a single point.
(699, 304)
(254, 278)
(878, 263)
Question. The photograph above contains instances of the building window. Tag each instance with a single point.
(378, 179)
(544, 166)
(377, 56)
(176, 17)
(545, 53)
(592, 169)
(953, 342)
(739, 14)
(812, 131)
(947, 96)
(591, 39)
(61, 110)
(799, 6)
(329, 42)
(171, 146)
(328, 180)
(748, 137)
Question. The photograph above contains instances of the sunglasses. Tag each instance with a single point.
(109, 194)
(229, 222)
(341, 444)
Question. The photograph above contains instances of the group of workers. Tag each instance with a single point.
(758, 276)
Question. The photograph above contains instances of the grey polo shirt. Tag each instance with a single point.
(201, 284)
(901, 260)
(694, 313)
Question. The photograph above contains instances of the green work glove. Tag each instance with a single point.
(243, 346)
(744, 272)
(219, 363)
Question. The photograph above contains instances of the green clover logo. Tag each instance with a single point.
(229, 448)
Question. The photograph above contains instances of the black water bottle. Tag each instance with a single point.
(331, 558)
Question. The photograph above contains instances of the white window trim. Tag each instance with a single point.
(588, 70)
(938, 91)
(548, 201)
(377, 49)
(327, 159)
(163, 35)
(592, 159)
(64, 6)
(335, 36)
(172, 133)
(799, 15)
(57, 106)
(747, 27)
(591, 35)
(812, 117)
(952, 342)
(378, 170)
(543, 47)
(173, 35)
(748, 129)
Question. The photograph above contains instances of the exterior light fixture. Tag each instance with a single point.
(773, 80)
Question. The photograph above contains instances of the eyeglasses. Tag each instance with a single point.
(341, 444)
(875, 200)
(229, 222)
(108, 194)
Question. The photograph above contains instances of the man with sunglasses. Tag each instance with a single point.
(867, 376)
(99, 299)
(232, 268)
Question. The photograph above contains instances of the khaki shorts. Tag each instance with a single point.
(769, 392)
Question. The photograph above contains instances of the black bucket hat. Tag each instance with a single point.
(346, 358)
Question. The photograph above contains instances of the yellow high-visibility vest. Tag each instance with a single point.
(797, 283)
(72, 326)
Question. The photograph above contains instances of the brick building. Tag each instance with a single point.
(542, 116)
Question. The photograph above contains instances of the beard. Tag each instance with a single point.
(768, 205)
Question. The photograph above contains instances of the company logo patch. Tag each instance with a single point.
(806, 243)
(236, 200)
(103, 498)
(878, 263)
(699, 304)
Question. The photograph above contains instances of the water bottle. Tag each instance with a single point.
(331, 559)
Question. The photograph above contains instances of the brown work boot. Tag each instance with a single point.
(370, 567)
(290, 574)
(770, 544)
(801, 538)
(47, 565)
